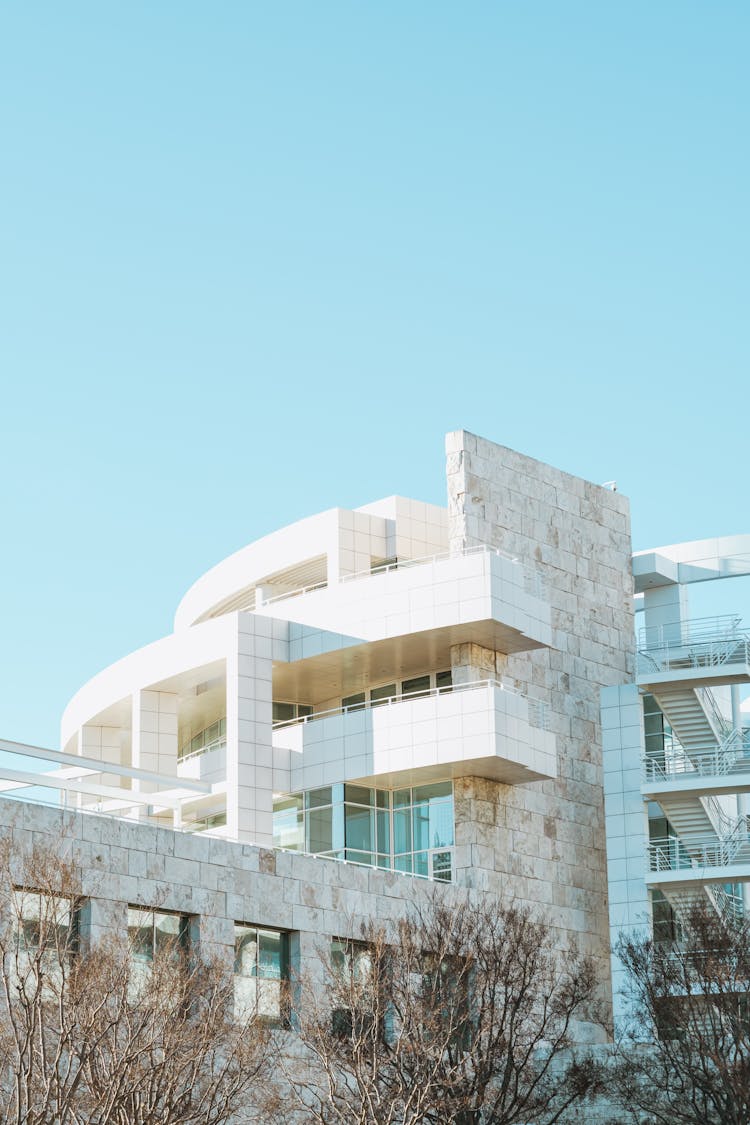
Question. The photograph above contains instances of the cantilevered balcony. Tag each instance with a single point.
(475, 729)
(399, 620)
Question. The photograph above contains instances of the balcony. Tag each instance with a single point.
(695, 653)
(715, 769)
(477, 729)
(398, 620)
(676, 864)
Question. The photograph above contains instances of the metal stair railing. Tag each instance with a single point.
(718, 721)
(730, 908)
(672, 853)
(707, 761)
(708, 642)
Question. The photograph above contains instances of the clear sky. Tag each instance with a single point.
(257, 258)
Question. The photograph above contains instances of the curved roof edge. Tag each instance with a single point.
(307, 538)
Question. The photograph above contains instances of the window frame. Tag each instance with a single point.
(69, 947)
(284, 936)
(181, 945)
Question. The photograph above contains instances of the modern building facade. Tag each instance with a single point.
(360, 704)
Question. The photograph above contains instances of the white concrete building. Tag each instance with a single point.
(677, 751)
(402, 692)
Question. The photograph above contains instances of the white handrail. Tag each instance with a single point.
(672, 853)
(537, 709)
(534, 582)
(708, 760)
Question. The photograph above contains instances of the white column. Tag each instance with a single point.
(249, 731)
(665, 609)
(155, 735)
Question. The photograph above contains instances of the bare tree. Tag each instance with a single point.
(468, 1016)
(88, 1034)
(690, 999)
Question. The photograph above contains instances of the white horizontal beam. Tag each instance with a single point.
(96, 766)
(130, 797)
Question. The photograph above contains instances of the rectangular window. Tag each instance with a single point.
(351, 962)
(409, 830)
(282, 712)
(47, 924)
(354, 702)
(261, 970)
(444, 680)
(419, 685)
(152, 933)
(382, 694)
(288, 823)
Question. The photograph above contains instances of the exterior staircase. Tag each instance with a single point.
(684, 900)
(692, 714)
(693, 816)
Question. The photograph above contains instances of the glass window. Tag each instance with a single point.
(421, 864)
(442, 867)
(210, 736)
(351, 959)
(359, 828)
(435, 789)
(261, 966)
(156, 931)
(421, 826)
(382, 694)
(444, 680)
(288, 823)
(384, 831)
(316, 798)
(282, 712)
(320, 834)
(46, 923)
(358, 795)
(419, 685)
(410, 829)
(354, 702)
(401, 830)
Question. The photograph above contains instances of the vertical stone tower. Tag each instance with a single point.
(545, 843)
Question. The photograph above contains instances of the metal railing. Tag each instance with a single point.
(718, 721)
(672, 853)
(217, 744)
(731, 755)
(709, 642)
(696, 629)
(538, 711)
(534, 583)
(730, 908)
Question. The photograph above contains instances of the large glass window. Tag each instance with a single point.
(261, 968)
(412, 688)
(46, 923)
(154, 932)
(408, 829)
(289, 823)
(210, 738)
(288, 712)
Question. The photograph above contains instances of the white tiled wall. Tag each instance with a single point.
(478, 724)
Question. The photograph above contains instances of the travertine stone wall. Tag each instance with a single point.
(216, 882)
(545, 842)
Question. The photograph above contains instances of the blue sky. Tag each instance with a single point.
(256, 259)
